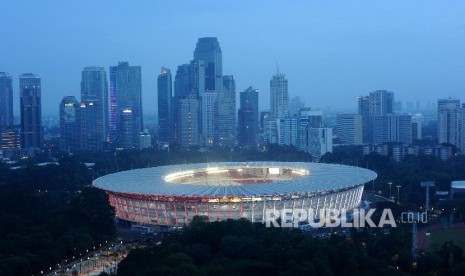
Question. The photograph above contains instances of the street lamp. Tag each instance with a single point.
(398, 194)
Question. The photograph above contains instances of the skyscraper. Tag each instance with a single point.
(69, 131)
(208, 50)
(94, 88)
(462, 129)
(208, 111)
(188, 114)
(381, 102)
(165, 107)
(364, 110)
(30, 111)
(125, 94)
(279, 98)
(6, 100)
(226, 113)
(90, 124)
(449, 121)
(248, 118)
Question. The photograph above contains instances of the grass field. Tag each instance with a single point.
(440, 236)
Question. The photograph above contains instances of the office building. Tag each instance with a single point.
(30, 111)
(208, 118)
(349, 129)
(364, 111)
(125, 94)
(6, 100)
(90, 125)
(69, 131)
(165, 107)
(94, 89)
(226, 133)
(381, 102)
(248, 118)
(449, 121)
(188, 128)
(279, 98)
(208, 50)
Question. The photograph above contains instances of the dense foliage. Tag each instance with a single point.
(47, 215)
(242, 248)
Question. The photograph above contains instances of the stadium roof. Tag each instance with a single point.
(458, 184)
(150, 181)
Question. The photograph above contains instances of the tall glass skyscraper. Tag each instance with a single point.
(208, 50)
(94, 89)
(125, 94)
(30, 110)
(248, 118)
(165, 107)
(69, 131)
(279, 97)
(6, 100)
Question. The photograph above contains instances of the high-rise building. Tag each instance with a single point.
(94, 89)
(69, 131)
(364, 111)
(381, 102)
(462, 129)
(10, 138)
(165, 107)
(188, 114)
(287, 129)
(90, 125)
(30, 111)
(248, 118)
(295, 105)
(311, 118)
(416, 127)
(392, 128)
(279, 98)
(6, 100)
(349, 128)
(226, 113)
(449, 121)
(182, 81)
(209, 104)
(208, 50)
(125, 94)
(145, 140)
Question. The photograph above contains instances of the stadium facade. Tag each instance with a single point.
(173, 195)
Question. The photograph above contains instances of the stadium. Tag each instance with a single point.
(173, 195)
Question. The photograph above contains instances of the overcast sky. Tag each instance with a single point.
(330, 51)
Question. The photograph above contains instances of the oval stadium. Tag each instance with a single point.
(173, 195)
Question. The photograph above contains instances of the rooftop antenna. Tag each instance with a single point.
(277, 68)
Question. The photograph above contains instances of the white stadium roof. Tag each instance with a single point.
(458, 184)
(151, 181)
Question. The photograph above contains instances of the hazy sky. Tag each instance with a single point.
(330, 51)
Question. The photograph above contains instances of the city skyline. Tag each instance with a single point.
(330, 56)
